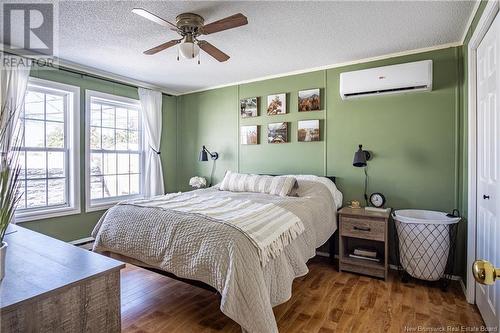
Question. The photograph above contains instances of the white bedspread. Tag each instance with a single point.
(269, 227)
(195, 246)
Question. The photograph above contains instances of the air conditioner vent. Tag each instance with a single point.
(413, 76)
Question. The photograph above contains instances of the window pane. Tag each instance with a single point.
(108, 116)
(55, 163)
(122, 164)
(95, 138)
(134, 163)
(34, 133)
(123, 185)
(34, 105)
(36, 193)
(109, 186)
(133, 119)
(109, 164)
(121, 140)
(96, 164)
(18, 135)
(121, 118)
(55, 107)
(96, 184)
(134, 184)
(108, 138)
(95, 114)
(22, 201)
(55, 135)
(21, 162)
(133, 140)
(56, 192)
(36, 164)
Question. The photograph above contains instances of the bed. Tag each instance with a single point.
(186, 234)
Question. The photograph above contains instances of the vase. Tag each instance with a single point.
(3, 252)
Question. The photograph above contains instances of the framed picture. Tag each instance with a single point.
(249, 135)
(277, 132)
(249, 107)
(308, 131)
(276, 104)
(310, 100)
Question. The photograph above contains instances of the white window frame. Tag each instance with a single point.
(72, 124)
(105, 203)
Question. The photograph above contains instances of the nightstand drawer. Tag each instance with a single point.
(363, 228)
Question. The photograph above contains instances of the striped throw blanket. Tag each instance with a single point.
(269, 227)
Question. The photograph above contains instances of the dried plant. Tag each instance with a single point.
(10, 133)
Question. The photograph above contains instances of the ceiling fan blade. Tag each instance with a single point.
(213, 51)
(229, 22)
(162, 47)
(152, 17)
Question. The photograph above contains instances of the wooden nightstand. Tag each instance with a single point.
(363, 229)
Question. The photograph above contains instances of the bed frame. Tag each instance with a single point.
(197, 283)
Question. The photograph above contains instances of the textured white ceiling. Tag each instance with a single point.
(281, 36)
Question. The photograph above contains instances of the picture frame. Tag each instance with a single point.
(277, 132)
(309, 100)
(276, 104)
(249, 107)
(249, 135)
(308, 131)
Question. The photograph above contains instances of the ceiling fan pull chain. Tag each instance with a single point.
(199, 55)
(177, 53)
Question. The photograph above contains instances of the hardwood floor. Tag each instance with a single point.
(323, 301)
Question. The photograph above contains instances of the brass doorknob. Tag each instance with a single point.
(484, 272)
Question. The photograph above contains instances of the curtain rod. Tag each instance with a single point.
(90, 75)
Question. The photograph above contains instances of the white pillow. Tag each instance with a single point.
(240, 182)
(332, 187)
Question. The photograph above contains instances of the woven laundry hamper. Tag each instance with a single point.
(426, 242)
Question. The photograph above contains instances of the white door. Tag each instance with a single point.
(488, 168)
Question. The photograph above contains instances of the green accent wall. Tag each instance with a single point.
(414, 137)
(78, 226)
(209, 118)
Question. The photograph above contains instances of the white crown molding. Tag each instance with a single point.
(122, 79)
(469, 22)
(98, 73)
(342, 64)
(114, 77)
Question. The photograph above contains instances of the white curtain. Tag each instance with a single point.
(151, 112)
(14, 75)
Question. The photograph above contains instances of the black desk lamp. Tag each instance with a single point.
(359, 161)
(203, 157)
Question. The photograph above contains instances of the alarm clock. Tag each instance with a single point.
(377, 200)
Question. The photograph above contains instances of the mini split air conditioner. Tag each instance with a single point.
(412, 76)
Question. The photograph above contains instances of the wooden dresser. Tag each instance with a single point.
(360, 228)
(51, 286)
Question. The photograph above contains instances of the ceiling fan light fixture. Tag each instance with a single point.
(189, 49)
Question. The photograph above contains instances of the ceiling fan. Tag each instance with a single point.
(190, 26)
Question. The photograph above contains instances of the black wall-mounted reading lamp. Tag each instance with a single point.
(359, 161)
(203, 157)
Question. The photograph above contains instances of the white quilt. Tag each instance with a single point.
(199, 247)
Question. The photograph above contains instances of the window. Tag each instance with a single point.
(48, 152)
(114, 150)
